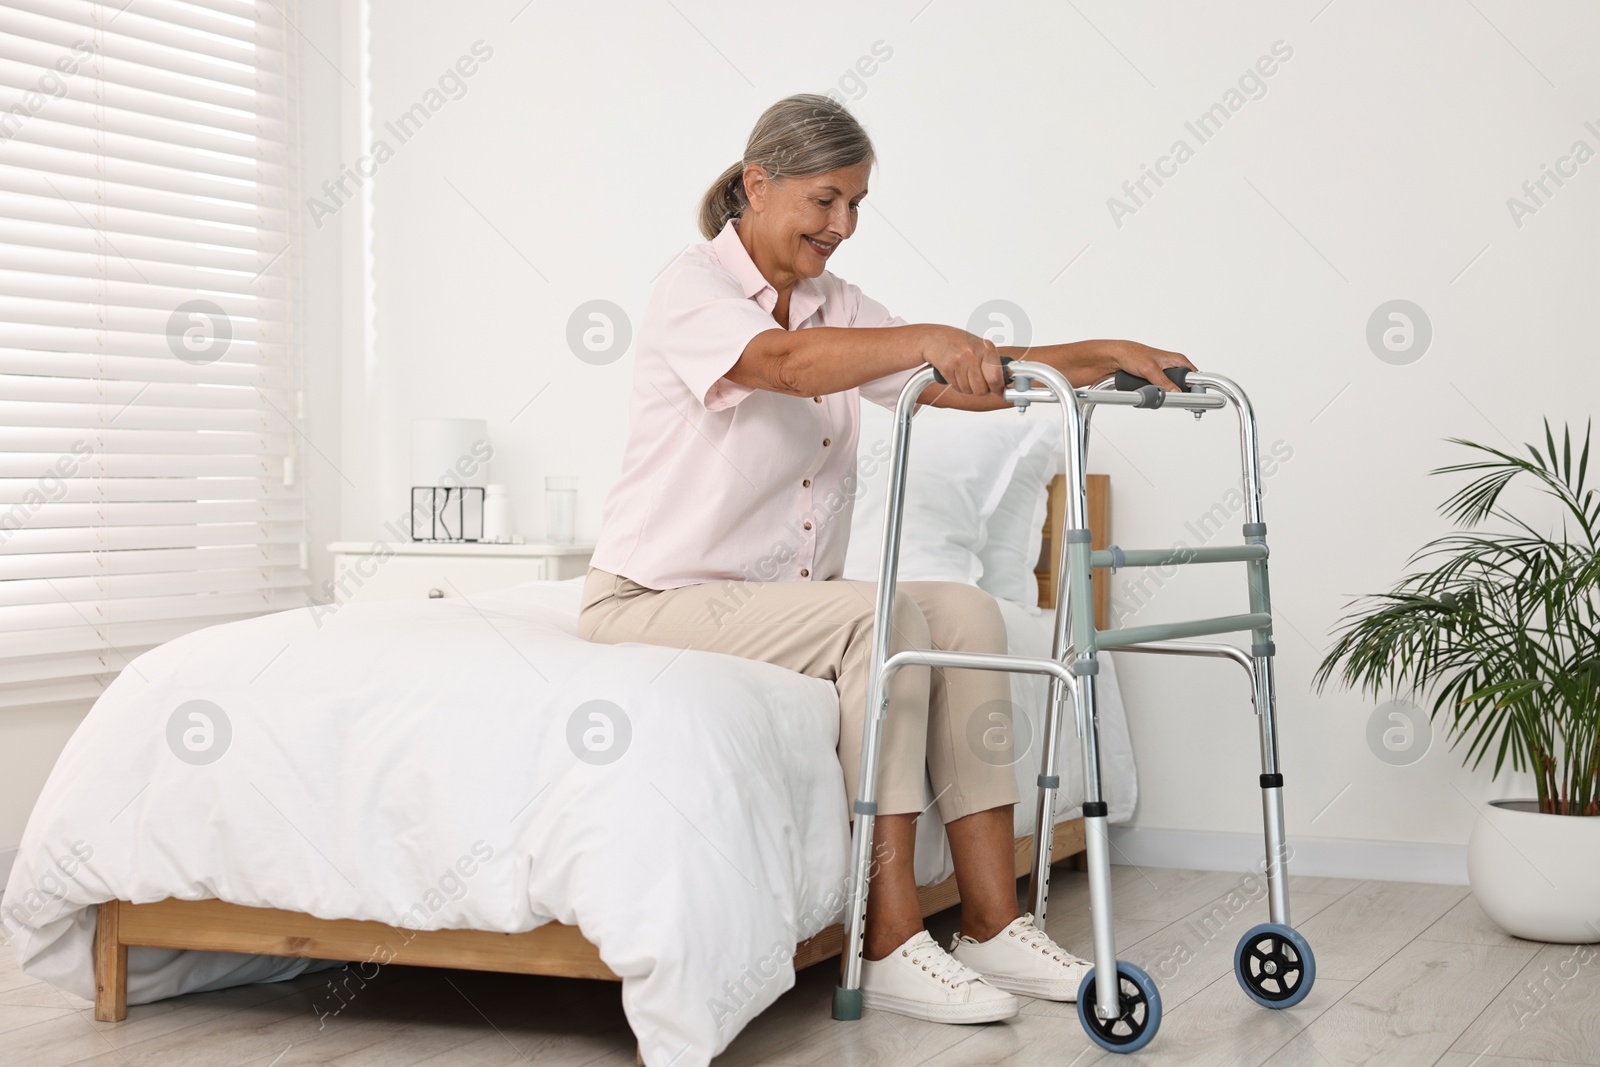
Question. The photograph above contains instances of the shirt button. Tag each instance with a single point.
(806, 483)
(804, 573)
(826, 441)
(807, 526)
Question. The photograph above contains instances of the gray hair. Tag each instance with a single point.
(797, 137)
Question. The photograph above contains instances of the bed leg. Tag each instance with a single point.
(110, 967)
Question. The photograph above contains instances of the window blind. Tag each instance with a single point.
(148, 367)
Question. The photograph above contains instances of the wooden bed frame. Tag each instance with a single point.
(553, 949)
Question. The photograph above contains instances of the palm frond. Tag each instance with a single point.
(1502, 627)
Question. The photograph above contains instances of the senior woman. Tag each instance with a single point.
(726, 532)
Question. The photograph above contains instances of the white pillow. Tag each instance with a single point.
(1015, 530)
(964, 467)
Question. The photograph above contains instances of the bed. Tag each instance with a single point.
(367, 816)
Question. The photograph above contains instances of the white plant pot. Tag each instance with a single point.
(1536, 875)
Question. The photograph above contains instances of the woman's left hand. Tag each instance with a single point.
(1148, 363)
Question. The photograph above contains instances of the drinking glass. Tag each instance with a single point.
(561, 509)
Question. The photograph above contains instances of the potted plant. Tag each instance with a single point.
(1504, 629)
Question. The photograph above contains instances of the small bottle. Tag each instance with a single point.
(498, 521)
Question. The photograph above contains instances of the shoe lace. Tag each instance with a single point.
(1030, 936)
(940, 964)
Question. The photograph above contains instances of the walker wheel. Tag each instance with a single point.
(1275, 965)
(1139, 1019)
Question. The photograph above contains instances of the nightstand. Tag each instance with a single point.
(379, 570)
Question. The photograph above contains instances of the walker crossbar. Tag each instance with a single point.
(1163, 631)
(1117, 558)
(1023, 397)
(975, 661)
(1273, 962)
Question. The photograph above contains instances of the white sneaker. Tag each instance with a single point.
(921, 980)
(1023, 959)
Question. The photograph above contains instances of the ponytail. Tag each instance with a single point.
(723, 201)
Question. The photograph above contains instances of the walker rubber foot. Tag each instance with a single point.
(846, 1004)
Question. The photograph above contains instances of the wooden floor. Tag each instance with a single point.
(1406, 974)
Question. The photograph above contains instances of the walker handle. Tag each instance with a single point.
(1129, 383)
(1003, 361)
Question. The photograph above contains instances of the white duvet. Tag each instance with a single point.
(435, 764)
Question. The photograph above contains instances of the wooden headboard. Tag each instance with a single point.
(1055, 518)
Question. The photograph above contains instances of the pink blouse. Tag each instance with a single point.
(720, 481)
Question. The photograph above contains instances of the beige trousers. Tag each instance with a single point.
(941, 720)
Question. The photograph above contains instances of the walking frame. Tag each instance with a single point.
(1273, 963)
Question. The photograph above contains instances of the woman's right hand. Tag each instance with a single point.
(971, 364)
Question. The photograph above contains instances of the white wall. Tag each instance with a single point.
(1377, 166)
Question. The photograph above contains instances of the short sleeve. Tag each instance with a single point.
(702, 326)
(885, 391)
